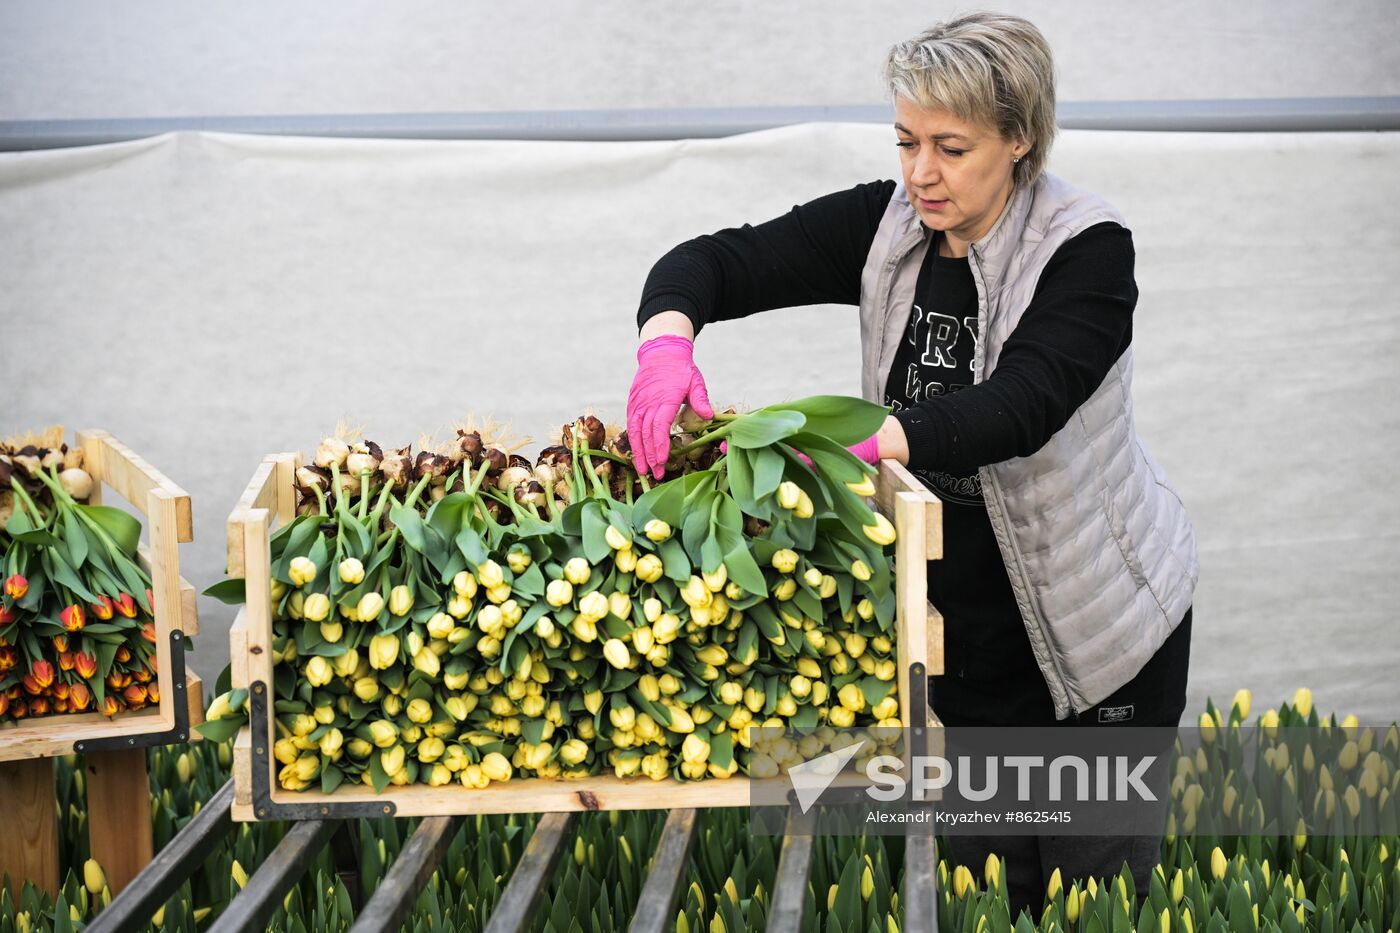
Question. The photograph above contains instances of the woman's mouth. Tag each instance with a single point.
(928, 205)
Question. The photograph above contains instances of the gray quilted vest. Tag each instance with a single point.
(1097, 544)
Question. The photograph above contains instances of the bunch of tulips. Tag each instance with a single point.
(77, 628)
(468, 616)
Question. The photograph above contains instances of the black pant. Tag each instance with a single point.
(1156, 696)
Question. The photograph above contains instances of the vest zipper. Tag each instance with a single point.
(980, 361)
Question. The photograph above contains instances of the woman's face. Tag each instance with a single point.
(958, 175)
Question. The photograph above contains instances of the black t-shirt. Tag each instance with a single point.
(984, 636)
(1079, 322)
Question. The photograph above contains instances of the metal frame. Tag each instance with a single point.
(179, 732)
(1286, 114)
(269, 809)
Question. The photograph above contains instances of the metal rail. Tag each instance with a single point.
(263, 893)
(522, 894)
(658, 898)
(1292, 114)
(396, 893)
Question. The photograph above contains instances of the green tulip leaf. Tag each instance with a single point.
(764, 427)
(844, 419)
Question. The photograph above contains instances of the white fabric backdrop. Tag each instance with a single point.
(211, 298)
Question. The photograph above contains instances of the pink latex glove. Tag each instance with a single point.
(867, 450)
(666, 378)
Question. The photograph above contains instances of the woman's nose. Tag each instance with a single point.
(925, 170)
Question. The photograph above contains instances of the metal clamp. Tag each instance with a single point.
(264, 807)
(180, 732)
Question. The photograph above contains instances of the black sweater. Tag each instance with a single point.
(1079, 322)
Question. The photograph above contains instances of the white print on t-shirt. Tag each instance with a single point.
(942, 337)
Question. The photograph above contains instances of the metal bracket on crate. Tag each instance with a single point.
(268, 809)
(180, 732)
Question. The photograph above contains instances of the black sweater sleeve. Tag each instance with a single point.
(1078, 324)
(813, 254)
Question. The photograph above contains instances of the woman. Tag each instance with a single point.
(996, 321)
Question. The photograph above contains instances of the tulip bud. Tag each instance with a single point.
(351, 571)
(301, 571)
(383, 651)
(616, 539)
(319, 671)
(518, 559)
(317, 607)
(617, 654)
(784, 560)
(490, 574)
(369, 607)
(464, 584)
(1302, 701)
(593, 606)
(495, 767)
(649, 568)
(657, 530)
(400, 600)
(427, 662)
(441, 625)
(881, 531)
(16, 587)
(860, 570)
(695, 749)
(559, 593)
(577, 571)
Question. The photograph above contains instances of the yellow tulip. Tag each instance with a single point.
(1302, 701)
(1217, 863)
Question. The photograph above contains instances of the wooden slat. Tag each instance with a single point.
(260, 493)
(285, 478)
(656, 905)
(535, 795)
(522, 894)
(189, 596)
(263, 893)
(934, 641)
(393, 899)
(120, 467)
(895, 478)
(179, 859)
(920, 895)
(243, 774)
(238, 649)
(257, 609)
(29, 846)
(790, 885)
(911, 591)
(56, 735)
(194, 698)
(119, 813)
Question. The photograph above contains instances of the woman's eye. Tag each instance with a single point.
(904, 144)
(953, 152)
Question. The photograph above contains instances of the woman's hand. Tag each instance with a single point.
(666, 378)
(889, 443)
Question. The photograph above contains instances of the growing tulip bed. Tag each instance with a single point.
(1286, 882)
(77, 630)
(467, 616)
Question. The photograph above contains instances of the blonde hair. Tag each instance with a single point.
(987, 68)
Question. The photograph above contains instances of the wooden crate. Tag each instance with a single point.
(270, 499)
(168, 523)
(118, 788)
